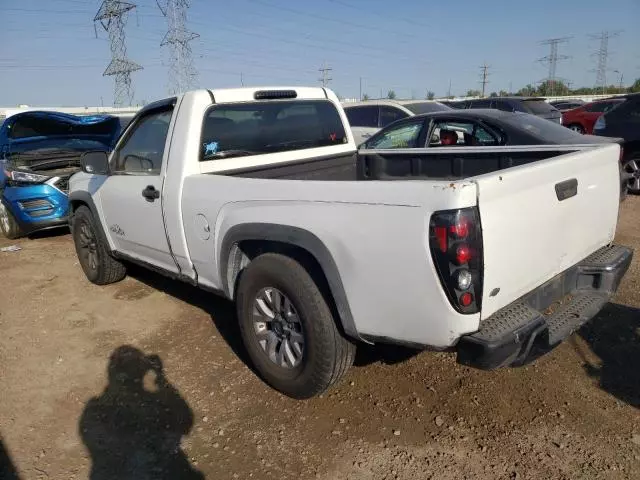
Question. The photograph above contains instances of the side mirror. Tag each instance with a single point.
(95, 163)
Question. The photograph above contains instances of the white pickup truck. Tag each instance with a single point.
(261, 196)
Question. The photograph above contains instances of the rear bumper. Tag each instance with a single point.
(534, 324)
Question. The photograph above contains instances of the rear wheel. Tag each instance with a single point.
(96, 262)
(288, 329)
(631, 168)
(576, 128)
(8, 225)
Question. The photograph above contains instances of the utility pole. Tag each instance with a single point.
(602, 54)
(112, 15)
(484, 73)
(552, 59)
(182, 74)
(360, 97)
(449, 91)
(324, 71)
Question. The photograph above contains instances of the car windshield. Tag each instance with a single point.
(426, 107)
(537, 106)
(542, 129)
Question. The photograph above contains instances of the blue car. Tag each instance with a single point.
(39, 151)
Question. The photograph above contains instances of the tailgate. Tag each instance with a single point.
(530, 235)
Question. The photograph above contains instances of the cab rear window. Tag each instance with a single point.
(242, 129)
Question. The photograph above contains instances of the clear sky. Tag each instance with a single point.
(50, 56)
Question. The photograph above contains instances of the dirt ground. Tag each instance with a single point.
(147, 379)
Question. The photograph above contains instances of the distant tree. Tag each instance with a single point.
(526, 91)
(391, 95)
(473, 93)
(493, 94)
(365, 97)
(430, 95)
(503, 93)
(635, 88)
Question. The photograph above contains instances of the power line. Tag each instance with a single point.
(602, 54)
(325, 79)
(182, 73)
(112, 15)
(484, 74)
(553, 58)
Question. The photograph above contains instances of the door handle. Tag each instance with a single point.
(366, 135)
(150, 193)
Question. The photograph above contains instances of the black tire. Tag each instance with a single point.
(8, 225)
(327, 354)
(631, 168)
(102, 268)
(576, 127)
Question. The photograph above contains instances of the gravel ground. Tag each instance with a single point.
(146, 379)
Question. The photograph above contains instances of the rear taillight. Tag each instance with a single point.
(455, 241)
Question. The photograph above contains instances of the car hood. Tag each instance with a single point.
(39, 136)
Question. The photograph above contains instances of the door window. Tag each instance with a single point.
(142, 150)
(462, 133)
(388, 115)
(480, 103)
(364, 116)
(400, 136)
(503, 105)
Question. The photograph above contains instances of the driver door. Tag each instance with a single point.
(131, 197)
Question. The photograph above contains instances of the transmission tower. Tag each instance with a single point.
(112, 15)
(552, 59)
(484, 74)
(324, 71)
(602, 54)
(182, 73)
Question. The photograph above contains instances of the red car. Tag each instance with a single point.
(583, 118)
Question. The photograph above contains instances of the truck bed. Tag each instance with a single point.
(402, 164)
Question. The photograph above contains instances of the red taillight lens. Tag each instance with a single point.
(463, 254)
(461, 228)
(455, 240)
(466, 299)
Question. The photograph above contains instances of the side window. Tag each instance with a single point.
(597, 107)
(142, 150)
(462, 133)
(364, 116)
(388, 115)
(480, 104)
(400, 136)
(504, 106)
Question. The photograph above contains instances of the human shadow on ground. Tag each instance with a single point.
(614, 336)
(133, 429)
(7, 470)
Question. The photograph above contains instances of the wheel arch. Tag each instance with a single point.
(78, 199)
(244, 242)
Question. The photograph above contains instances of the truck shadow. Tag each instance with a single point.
(221, 310)
(223, 316)
(614, 337)
(134, 427)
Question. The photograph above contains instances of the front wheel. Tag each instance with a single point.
(631, 168)
(96, 262)
(8, 225)
(288, 329)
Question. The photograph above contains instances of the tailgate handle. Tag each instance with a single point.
(567, 189)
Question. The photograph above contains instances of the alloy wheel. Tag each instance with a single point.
(277, 328)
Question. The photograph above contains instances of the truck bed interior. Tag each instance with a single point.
(394, 165)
